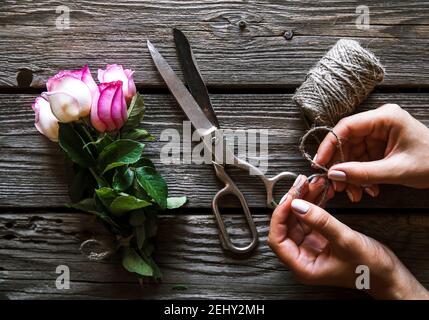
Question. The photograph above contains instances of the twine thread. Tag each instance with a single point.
(332, 89)
(338, 83)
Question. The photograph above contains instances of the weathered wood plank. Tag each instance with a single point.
(33, 174)
(257, 55)
(188, 251)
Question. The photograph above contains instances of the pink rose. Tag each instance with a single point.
(110, 113)
(71, 94)
(45, 122)
(115, 72)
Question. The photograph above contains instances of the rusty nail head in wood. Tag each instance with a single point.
(288, 35)
(242, 24)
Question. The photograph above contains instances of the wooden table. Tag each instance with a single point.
(252, 72)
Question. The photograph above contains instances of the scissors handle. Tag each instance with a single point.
(231, 189)
(269, 183)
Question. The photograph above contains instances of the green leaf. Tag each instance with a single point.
(156, 273)
(82, 185)
(154, 184)
(119, 153)
(136, 134)
(143, 162)
(101, 142)
(86, 205)
(89, 205)
(175, 202)
(135, 113)
(137, 218)
(133, 262)
(125, 203)
(73, 145)
(123, 179)
(106, 196)
(139, 192)
(140, 234)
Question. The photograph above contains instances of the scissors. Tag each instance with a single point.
(197, 106)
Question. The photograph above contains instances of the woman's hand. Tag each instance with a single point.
(321, 250)
(385, 145)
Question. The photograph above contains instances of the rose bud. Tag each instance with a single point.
(115, 72)
(45, 122)
(71, 94)
(110, 113)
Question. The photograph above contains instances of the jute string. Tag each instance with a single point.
(338, 83)
(332, 89)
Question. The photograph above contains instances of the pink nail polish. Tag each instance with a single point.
(350, 195)
(283, 199)
(298, 180)
(370, 192)
(337, 175)
(314, 180)
(300, 206)
(314, 161)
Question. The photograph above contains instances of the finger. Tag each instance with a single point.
(358, 125)
(354, 192)
(299, 188)
(315, 189)
(314, 216)
(278, 239)
(279, 220)
(373, 190)
(288, 252)
(321, 202)
(339, 186)
(365, 173)
(278, 225)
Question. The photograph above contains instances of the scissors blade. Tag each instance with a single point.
(193, 77)
(181, 94)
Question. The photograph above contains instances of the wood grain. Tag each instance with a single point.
(33, 49)
(33, 173)
(188, 251)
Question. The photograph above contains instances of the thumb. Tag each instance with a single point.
(321, 221)
(363, 173)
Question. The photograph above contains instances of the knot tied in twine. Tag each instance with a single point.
(308, 157)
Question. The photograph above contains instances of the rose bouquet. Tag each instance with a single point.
(98, 128)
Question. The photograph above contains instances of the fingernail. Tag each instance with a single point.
(298, 180)
(337, 175)
(335, 185)
(283, 199)
(350, 195)
(315, 179)
(314, 161)
(370, 192)
(300, 206)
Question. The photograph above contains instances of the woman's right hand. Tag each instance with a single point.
(386, 145)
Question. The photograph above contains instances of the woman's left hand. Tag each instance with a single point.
(321, 250)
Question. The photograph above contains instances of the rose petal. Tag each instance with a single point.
(77, 89)
(118, 105)
(64, 107)
(45, 122)
(107, 93)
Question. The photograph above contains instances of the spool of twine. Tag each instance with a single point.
(338, 83)
(332, 89)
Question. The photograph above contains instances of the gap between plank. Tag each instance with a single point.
(221, 89)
